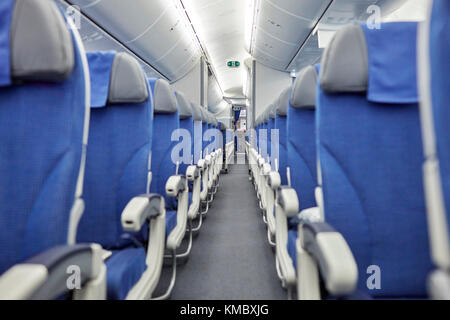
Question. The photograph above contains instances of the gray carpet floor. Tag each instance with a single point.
(231, 258)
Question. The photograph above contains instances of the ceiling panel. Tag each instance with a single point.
(154, 30)
(95, 39)
(281, 28)
(338, 14)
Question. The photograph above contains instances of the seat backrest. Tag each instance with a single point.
(281, 126)
(187, 124)
(44, 115)
(165, 122)
(434, 63)
(301, 136)
(118, 157)
(270, 126)
(263, 134)
(370, 151)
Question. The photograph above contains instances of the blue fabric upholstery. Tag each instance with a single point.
(292, 247)
(41, 143)
(204, 142)
(389, 81)
(116, 171)
(440, 90)
(301, 154)
(6, 10)
(281, 125)
(124, 268)
(270, 126)
(187, 124)
(263, 140)
(371, 162)
(100, 67)
(162, 165)
(171, 221)
(117, 164)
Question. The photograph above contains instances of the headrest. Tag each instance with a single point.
(381, 62)
(163, 97)
(128, 81)
(35, 42)
(273, 110)
(304, 89)
(345, 65)
(283, 101)
(196, 112)
(222, 126)
(116, 78)
(184, 106)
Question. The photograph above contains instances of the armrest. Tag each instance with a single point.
(260, 161)
(266, 169)
(287, 199)
(201, 164)
(310, 215)
(141, 209)
(175, 185)
(192, 173)
(48, 275)
(274, 180)
(333, 255)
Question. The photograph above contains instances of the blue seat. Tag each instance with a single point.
(44, 117)
(281, 126)
(434, 64)
(271, 110)
(187, 167)
(291, 246)
(117, 168)
(263, 135)
(166, 122)
(187, 124)
(369, 148)
(301, 137)
(299, 104)
(125, 268)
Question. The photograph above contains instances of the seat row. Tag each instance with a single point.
(350, 166)
(103, 172)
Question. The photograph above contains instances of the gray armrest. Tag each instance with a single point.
(192, 173)
(175, 185)
(261, 161)
(46, 276)
(141, 209)
(201, 164)
(333, 255)
(274, 180)
(287, 199)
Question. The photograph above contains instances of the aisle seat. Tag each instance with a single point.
(44, 122)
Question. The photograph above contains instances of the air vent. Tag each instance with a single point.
(274, 23)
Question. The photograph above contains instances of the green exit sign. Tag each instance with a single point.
(233, 64)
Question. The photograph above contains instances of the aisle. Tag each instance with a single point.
(231, 258)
